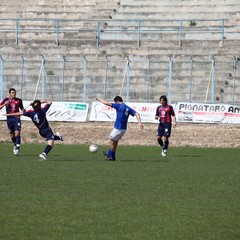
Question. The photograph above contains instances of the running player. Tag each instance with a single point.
(38, 116)
(165, 113)
(13, 104)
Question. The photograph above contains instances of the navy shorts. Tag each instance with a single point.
(47, 133)
(164, 129)
(14, 124)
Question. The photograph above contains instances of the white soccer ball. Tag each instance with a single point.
(93, 148)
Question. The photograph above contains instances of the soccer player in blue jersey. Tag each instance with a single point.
(165, 113)
(38, 116)
(12, 105)
(120, 126)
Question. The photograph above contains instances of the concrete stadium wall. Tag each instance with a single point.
(200, 45)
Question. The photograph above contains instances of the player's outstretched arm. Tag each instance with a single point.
(13, 114)
(104, 101)
(46, 101)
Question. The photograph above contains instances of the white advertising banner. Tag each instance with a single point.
(60, 111)
(207, 113)
(185, 112)
(101, 112)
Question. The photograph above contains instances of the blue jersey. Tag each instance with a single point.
(39, 117)
(123, 112)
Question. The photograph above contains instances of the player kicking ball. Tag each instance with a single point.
(38, 116)
(123, 112)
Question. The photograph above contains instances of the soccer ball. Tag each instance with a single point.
(93, 148)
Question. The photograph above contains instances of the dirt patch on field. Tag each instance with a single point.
(200, 135)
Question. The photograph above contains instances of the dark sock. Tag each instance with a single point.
(166, 144)
(160, 142)
(14, 140)
(109, 152)
(48, 148)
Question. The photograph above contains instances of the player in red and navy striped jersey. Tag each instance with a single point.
(165, 114)
(38, 116)
(13, 105)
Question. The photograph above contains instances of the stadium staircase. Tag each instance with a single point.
(202, 42)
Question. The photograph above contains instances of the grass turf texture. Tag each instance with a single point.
(193, 193)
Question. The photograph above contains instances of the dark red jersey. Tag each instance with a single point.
(14, 104)
(165, 113)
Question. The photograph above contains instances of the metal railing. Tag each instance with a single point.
(209, 81)
(134, 30)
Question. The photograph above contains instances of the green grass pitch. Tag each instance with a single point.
(193, 193)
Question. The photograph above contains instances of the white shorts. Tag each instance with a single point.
(116, 134)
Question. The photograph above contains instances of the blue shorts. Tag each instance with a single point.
(14, 124)
(164, 129)
(47, 133)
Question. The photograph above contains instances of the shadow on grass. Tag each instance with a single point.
(187, 156)
(148, 160)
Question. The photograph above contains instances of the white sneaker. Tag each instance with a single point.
(43, 156)
(164, 153)
(14, 149)
(16, 152)
(59, 135)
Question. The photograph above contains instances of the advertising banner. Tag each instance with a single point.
(60, 111)
(185, 112)
(101, 112)
(207, 113)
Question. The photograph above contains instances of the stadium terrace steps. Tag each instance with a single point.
(187, 3)
(171, 9)
(201, 42)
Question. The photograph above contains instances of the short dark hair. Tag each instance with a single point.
(12, 89)
(36, 104)
(117, 99)
(163, 97)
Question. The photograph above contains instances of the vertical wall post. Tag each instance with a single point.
(22, 80)
(223, 30)
(43, 78)
(106, 78)
(213, 80)
(1, 77)
(63, 78)
(98, 33)
(190, 80)
(84, 78)
(170, 80)
(128, 79)
(57, 32)
(139, 32)
(17, 29)
(148, 78)
(180, 33)
(234, 79)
